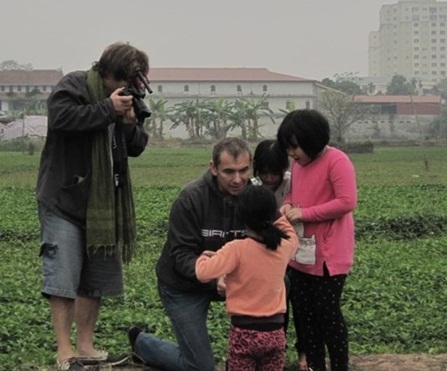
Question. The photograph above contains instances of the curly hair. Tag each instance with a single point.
(121, 60)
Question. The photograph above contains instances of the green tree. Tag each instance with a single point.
(216, 114)
(159, 114)
(400, 86)
(346, 82)
(190, 114)
(341, 110)
(237, 118)
(441, 88)
(438, 127)
(14, 65)
(255, 108)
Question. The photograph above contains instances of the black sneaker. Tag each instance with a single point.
(133, 333)
(72, 364)
(117, 360)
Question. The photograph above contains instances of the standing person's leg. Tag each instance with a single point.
(240, 349)
(308, 312)
(188, 314)
(275, 349)
(294, 298)
(62, 258)
(335, 330)
(86, 315)
(102, 275)
(62, 314)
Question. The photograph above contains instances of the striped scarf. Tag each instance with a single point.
(110, 221)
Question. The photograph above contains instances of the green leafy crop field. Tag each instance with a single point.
(394, 300)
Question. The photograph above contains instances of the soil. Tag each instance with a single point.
(377, 362)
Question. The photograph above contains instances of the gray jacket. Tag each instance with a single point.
(65, 166)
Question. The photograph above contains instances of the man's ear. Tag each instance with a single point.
(213, 168)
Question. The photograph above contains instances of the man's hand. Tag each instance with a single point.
(121, 103)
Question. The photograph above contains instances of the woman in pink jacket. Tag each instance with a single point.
(320, 204)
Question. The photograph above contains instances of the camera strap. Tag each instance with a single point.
(119, 156)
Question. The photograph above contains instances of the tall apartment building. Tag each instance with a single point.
(411, 41)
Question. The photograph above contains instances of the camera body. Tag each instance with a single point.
(141, 110)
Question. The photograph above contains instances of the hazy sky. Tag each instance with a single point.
(305, 38)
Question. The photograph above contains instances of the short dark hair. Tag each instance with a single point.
(270, 158)
(234, 146)
(257, 209)
(120, 60)
(304, 128)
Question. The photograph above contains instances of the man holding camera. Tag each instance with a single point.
(84, 195)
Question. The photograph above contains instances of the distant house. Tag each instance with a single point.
(396, 116)
(16, 86)
(180, 84)
(405, 105)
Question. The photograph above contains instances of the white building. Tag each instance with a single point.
(178, 85)
(411, 41)
(18, 85)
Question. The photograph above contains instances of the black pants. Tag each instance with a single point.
(319, 321)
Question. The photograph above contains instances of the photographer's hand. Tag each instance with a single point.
(121, 103)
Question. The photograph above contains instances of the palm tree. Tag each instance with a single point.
(189, 113)
(255, 108)
(216, 114)
(159, 112)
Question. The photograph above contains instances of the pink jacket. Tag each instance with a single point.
(254, 274)
(326, 192)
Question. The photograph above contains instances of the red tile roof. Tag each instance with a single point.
(398, 99)
(31, 77)
(219, 74)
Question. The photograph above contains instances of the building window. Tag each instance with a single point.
(213, 88)
(239, 88)
(186, 88)
(44, 88)
(2, 88)
(307, 104)
(160, 88)
(19, 88)
(264, 88)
